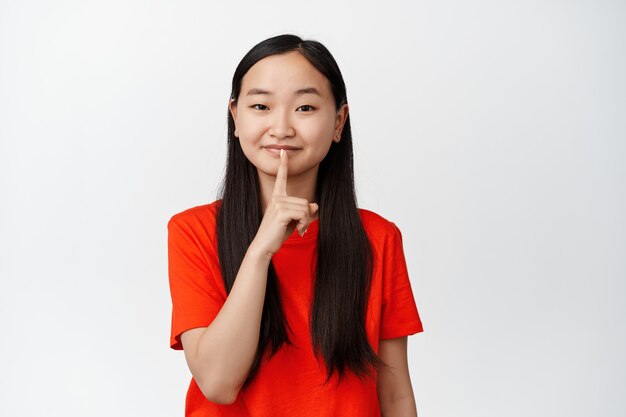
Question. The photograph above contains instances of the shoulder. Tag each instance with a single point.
(204, 215)
(384, 235)
(378, 227)
(198, 224)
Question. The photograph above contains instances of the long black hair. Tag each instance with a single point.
(344, 254)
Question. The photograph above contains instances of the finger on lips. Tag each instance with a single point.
(280, 186)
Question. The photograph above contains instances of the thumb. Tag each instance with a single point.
(313, 207)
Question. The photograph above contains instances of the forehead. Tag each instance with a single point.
(283, 75)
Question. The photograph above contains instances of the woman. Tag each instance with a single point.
(288, 299)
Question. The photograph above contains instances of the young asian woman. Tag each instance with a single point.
(288, 299)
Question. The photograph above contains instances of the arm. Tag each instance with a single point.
(395, 393)
(220, 356)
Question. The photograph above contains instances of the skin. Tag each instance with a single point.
(395, 391)
(311, 123)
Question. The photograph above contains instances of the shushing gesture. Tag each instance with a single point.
(283, 213)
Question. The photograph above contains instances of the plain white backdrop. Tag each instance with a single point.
(493, 133)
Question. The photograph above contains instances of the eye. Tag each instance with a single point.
(254, 106)
(306, 105)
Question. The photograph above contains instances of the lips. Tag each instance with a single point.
(275, 150)
(286, 147)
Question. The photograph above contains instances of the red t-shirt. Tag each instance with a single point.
(291, 383)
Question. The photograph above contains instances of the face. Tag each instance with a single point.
(286, 101)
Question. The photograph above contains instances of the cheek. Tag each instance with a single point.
(318, 127)
(251, 153)
(248, 128)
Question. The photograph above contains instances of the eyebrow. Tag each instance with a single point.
(307, 90)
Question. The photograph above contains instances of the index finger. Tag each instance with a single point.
(280, 186)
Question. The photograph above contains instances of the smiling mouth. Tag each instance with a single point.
(285, 147)
(276, 151)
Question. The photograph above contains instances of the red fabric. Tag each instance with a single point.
(291, 383)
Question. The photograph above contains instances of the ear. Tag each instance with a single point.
(340, 120)
(232, 107)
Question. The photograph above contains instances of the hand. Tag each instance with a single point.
(283, 213)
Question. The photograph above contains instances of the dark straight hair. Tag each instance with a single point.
(343, 264)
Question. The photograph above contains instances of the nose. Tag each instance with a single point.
(280, 124)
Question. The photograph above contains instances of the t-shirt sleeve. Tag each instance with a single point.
(399, 311)
(193, 278)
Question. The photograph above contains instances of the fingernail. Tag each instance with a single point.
(281, 152)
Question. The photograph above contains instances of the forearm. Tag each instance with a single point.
(228, 346)
(403, 407)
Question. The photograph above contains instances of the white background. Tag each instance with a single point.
(493, 133)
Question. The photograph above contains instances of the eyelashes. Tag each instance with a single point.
(254, 106)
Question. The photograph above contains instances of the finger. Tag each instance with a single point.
(296, 217)
(313, 210)
(280, 186)
(304, 222)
